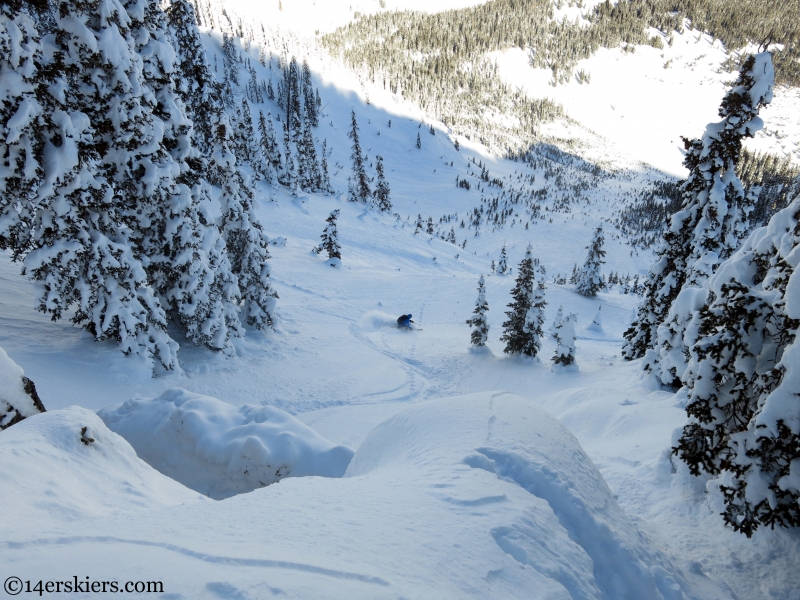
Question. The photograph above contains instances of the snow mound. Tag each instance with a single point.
(375, 320)
(49, 473)
(221, 450)
(571, 529)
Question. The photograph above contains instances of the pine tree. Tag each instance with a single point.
(480, 323)
(270, 156)
(589, 280)
(710, 223)
(312, 178)
(243, 142)
(244, 237)
(326, 180)
(330, 238)
(523, 330)
(419, 142)
(309, 101)
(502, 264)
(741, 380)
(186, 259)
(429, 226)
(361, 191)
(382, 190)
(22, 143)
(289, 175)
(83, 246)
(557, 322)
(564, 332)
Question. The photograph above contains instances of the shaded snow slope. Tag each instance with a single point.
(481, 496)
(222, 450)
(50, 477)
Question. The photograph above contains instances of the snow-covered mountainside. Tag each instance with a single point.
(251, 264)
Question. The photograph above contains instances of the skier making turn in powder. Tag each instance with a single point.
(404, 321)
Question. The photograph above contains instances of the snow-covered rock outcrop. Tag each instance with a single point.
(18, 397)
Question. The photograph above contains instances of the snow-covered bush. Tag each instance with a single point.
(743, 379)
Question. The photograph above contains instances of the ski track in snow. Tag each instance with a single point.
(201, 556)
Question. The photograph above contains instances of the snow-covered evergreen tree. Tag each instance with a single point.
(309, 100)
(330, 238)
(710, 223)
(480, 323)
(742, 383)
(326, 179)
(419, 142)
(564, 332)
(382, 190)
(22, 144)
(502, 264)
(589, 281)
(557, 322)
(312, 178)
(360, 182)
(83, 254)
(244, 236)
(523, 330)
(186, 259)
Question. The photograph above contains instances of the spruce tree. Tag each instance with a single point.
(502, 264)
(480, 323)
(360, 182)
(741, 380)
(87, 233)
(244, 236)
(710, 223)
(588, 279)
(557, 322)
(186, 262)
(382, 200)
(564, 332)
(522, 331)
(330, 238)
(312, 178)
(419, 142)
(22, 143)
(326, 179)
(309, 101)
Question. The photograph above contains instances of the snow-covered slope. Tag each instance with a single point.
(479, 496)
(460, 497)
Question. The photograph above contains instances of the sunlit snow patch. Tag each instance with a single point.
(221, 450)
(567, 527)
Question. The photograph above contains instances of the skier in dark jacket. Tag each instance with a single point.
(404, 321)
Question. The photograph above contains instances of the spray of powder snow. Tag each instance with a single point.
(376, 320)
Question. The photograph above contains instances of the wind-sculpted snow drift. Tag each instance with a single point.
(479, 496)
(222, 450)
